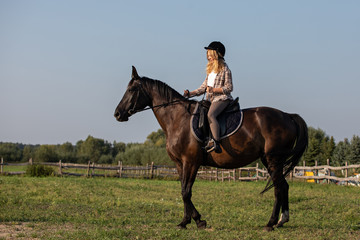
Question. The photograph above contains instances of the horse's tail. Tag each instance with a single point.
(299, 148)
(302, 141)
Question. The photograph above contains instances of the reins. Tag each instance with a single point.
(133, 111)
(158, 106)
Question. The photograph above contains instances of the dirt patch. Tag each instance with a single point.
(17, 231)
(33, 230)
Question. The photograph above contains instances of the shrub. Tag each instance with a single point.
(39, 171)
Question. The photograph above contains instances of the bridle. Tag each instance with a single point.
(132, 111)
(140, 88)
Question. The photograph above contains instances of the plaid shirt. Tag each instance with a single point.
(223, 80)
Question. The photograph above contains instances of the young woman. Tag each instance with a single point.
(218, 86)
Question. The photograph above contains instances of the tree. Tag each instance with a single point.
(46, 153)
(132, 154)
(342, 152)
(66, 152)
(118, 147)
(106, 159)
(156, 138)
(10, 152)
(328, 147)
(27, 153)
(92, 149)
(143, 154)
(354, 157)
(312, 154)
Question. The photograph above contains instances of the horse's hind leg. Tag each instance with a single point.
(276, 176)
(285, 217)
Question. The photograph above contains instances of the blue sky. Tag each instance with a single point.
(64, 65)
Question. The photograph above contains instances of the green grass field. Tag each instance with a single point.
(109, 208)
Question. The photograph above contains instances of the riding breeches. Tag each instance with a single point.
(215, 109)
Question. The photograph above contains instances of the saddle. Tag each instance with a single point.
(229, 120)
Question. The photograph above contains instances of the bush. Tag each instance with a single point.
(106, 159)
(39, 171)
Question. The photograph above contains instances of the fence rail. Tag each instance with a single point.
(328, 173)
(317, 173)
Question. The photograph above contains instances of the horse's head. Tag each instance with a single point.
(134, 99)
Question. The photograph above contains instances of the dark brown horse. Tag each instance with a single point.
(279, 139)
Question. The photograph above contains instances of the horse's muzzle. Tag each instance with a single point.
(121, 117)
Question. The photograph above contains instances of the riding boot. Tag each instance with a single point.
(213, 145)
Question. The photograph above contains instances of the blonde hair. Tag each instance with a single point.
(217, 64)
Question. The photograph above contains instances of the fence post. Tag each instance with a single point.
(346, 173)
(217, 175)
(329, 171)
(257, 172)
(93, 169)
(60, 168)
(120, 168)
(88, 169)
(30, 161)
(2, 163)
(316, 171)
(151, 170)
(304, 164)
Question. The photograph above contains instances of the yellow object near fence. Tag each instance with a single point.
(309, 174)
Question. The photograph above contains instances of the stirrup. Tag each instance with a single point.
(213, 145)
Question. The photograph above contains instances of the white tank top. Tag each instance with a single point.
(211, 79)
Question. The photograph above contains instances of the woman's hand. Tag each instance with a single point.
(186, 93)
(214, 90)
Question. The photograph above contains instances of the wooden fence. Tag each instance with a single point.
(328, 174)
(149, 171)
(319, 173)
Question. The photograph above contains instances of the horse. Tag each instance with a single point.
(277, 138)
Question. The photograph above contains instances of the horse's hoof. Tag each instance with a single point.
(280, 224)
(268, 229)
(201, 224)
(283, 219)
(180, 226)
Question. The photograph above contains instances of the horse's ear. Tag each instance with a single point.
(134, 74)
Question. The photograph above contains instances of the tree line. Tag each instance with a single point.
(92, 149)
(321, 147)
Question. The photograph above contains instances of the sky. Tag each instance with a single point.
(65, 65)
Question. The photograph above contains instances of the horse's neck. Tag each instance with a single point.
(170, 115)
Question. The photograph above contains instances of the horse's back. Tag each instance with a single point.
(276, 127)
(269, 119)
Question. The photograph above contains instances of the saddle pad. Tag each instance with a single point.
(229, 124)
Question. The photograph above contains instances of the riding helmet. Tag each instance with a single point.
(217, 46)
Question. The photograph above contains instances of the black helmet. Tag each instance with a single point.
(217, 46)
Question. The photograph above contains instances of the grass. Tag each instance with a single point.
(109, 208)
(7, 168)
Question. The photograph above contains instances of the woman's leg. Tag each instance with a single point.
(215, 109)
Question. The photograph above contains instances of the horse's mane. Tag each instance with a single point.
(165, 90)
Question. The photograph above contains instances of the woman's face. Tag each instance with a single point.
(210, 56)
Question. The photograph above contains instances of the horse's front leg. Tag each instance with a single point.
(188, 176)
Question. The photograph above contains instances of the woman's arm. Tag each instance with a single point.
(214, 90)
(228, 85)
(198, 91)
